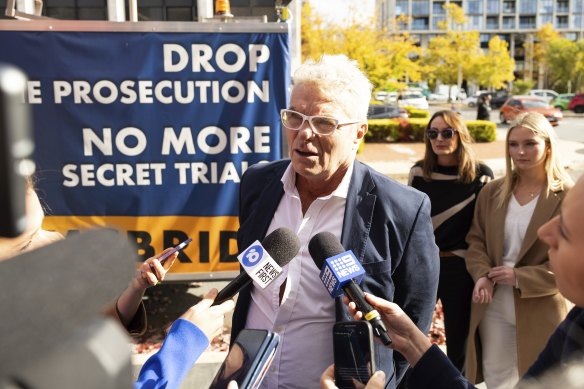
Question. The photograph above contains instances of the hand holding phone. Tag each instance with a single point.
(353, 353)
(248, 360)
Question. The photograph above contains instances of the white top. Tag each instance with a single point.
(305, 319)
(516, 222)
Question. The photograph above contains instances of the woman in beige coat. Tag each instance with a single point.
(516, 304)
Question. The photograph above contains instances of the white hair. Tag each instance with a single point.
(339, 79)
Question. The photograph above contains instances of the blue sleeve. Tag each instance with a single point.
(168, 367)
(434, 370)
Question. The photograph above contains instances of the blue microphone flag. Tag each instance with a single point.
(338, 270)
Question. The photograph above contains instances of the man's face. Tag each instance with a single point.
(318, 157)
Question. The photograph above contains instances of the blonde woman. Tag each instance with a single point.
(516, 304)
(452, 177)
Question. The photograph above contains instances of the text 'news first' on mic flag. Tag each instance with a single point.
(259, 265)
(340, 269)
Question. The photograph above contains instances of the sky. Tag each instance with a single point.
(338, 10)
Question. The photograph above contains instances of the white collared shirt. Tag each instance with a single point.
(306, 316)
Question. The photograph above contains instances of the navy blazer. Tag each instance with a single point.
(388, 227)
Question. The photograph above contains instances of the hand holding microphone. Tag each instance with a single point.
(339, 270)
(262, 262)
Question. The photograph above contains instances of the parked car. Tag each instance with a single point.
(577, 103)
(438, 98)
(471, 101)
(412, 99)
(562, 101)
(386, 111)
(546, 94)
(380, 95)
(499, 98)
(517, 104)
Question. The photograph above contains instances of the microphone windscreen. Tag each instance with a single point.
(52, 292)
(282, 244)
(322, 246)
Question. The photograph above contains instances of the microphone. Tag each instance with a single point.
(262, 262)
(339, 269)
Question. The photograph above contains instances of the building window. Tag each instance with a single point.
(508, 22)
(420, 7)
(492, 22)
(420, 24)
(438, 8)
(526, 22)
(475, 22)
(563, 6)
(509, 7)
(562, 21)
(474, 7)
(544, 19)
(485, 41)
(493, 7)
(75, 9)
(401, 7)
(573, 36)
(577, 22)
(546, 6)
(527, 7)
(436, 20)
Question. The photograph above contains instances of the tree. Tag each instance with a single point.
(565, 61)
(381, 55)
(495, 68)
(536, 47)
(451, 55)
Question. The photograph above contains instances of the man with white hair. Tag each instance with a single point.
(323, 188)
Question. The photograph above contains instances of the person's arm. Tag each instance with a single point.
(128, 308)
(431, 368)
(419, 265)
(188, 337)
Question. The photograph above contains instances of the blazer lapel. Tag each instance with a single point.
(544, 210)
(497, 222)
(269, 201)
(358, 211)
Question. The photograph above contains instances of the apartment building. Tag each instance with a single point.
(515, 21)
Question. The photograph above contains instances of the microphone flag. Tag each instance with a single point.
(259, 265)
(340, 269)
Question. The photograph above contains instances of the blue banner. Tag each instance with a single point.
(152, 124)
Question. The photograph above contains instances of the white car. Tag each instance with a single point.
(412, 99)
(546, 94)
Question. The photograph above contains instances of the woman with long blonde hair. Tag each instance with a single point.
(516, 304)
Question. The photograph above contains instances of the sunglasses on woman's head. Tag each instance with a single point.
(447, 133)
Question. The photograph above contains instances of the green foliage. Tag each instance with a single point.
(417, 113)
(521, 87)
(482, 130)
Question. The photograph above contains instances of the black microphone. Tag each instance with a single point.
(282, 244)
(325, 245)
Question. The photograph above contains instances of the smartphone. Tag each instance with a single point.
(181, 246)
(248, 360)
(353, 353)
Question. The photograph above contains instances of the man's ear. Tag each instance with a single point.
(361, 131)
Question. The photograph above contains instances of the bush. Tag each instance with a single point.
(413, 130)
(521, 87)
(417, 113)
(482, 130)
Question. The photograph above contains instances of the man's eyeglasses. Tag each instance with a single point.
(321, 125)
(447, 133)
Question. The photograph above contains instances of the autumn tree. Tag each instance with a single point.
(565, 62)
(381, 55)
(536, 48)
(451, 55)
(494, 69)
